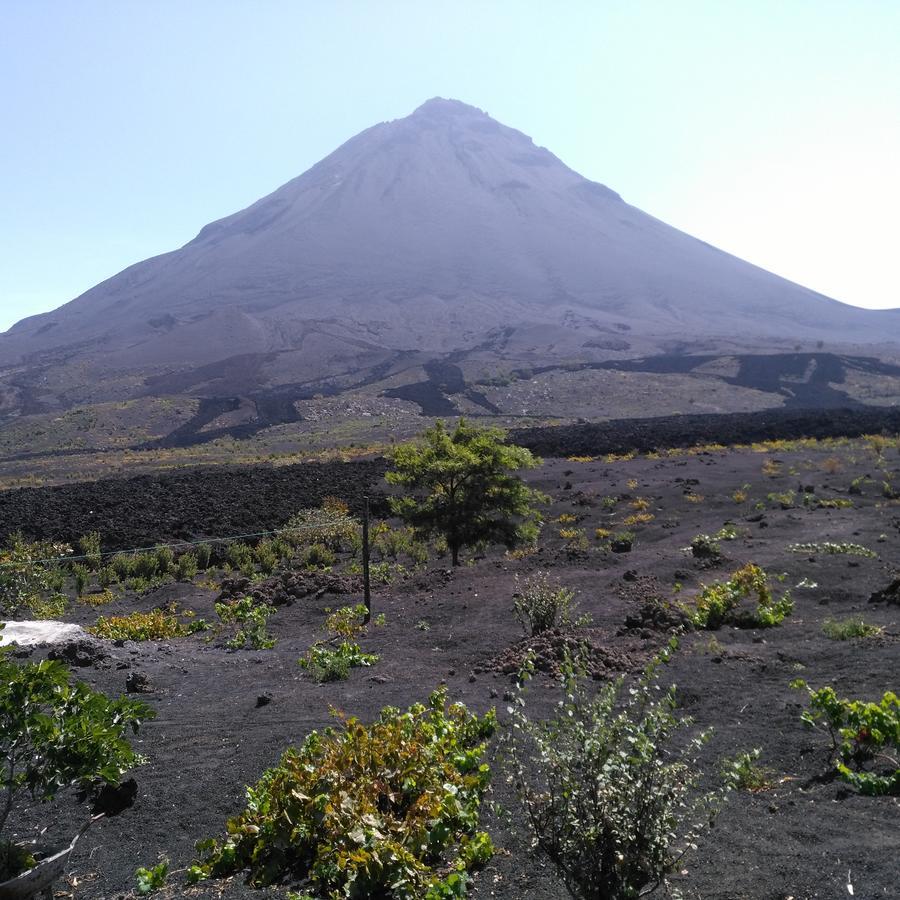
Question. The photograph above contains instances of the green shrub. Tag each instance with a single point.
(165, 561)
(865, 737)
(784, 499)
(156, 625)
(252, 618)
(741, 772)
(719, 603)
(831, 548)
(106, 577)
(330, 525)
(82, 575)
(123, 566)
(845, 629)
(55, 734)
(151, 880)
(383, 810)
(89, 547)
(266, 557)
(240, 556)
(30, 577)
(705, 547)
(607, 784)
(621, 541)
(348, 621)
(187, 567)
(540, 605)
(327, 663)
(318, 556)
(204, 556)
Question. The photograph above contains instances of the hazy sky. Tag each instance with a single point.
(770, 129)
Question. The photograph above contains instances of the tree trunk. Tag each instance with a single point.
(454, 551)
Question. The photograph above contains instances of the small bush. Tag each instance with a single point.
(30, 577)
(540, 604)
(82, 575)
(621, 541)
(151, 880)
(718, 603)
(327, 663)
(106, 577)
(865, 737)
(266, 557)
(204, 556)
(348, 621)
(383, 810)
(240, 556)
(705, 547)
(584, 775)
(330, 525)
(187, 567)
(854, 627)
(56, 734)
(252, 618)
(156, 625)
(784, 499)
(741, 772)
(318, 556)
(89, 547)
(831, 548)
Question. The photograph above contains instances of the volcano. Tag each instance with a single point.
(438, 234)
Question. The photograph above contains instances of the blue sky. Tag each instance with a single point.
(771, 129)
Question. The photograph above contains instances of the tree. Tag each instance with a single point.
(461, 485)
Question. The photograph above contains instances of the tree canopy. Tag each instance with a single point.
(461, 485)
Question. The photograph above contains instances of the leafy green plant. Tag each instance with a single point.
(318, 556)
(381, 810)
(240, 556)
(853, 627)
(266, 557)
(348, 621)
(718, 603)
(89, 547)
(705, 547)
(540, 605)
(56, 734)
(609, 789)
(156, 625)
(742, 773)
(151, 880)
(330, 525)
(31, 578)
(82, 575)
(462, 485)
(863, 734)
(832, 548)
(186, 568)
(252, 618)
(333, 663)
(204, 556)
(782, 499)
(621, 541)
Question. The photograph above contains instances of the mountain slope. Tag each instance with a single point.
(430, 234)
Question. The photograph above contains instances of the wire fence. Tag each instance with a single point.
(225, 539)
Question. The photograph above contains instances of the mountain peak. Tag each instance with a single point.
(444, 107)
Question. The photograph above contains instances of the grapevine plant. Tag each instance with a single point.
(383, 810)
(719, 603)
(865, 737)
(56, 734)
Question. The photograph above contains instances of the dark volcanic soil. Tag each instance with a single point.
(212, 502)
(800, 839)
